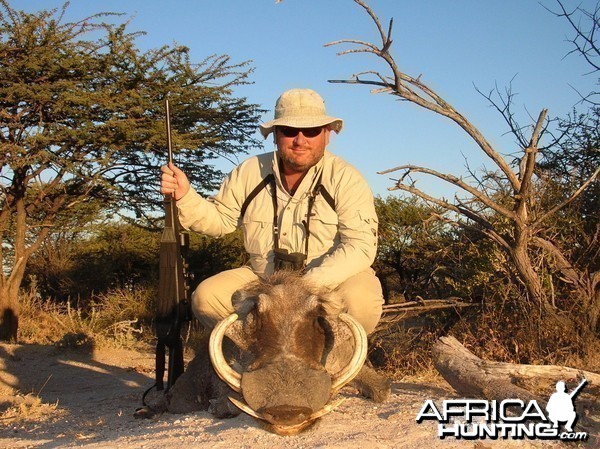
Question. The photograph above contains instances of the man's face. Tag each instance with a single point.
(300, 148)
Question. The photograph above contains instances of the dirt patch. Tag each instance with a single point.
(65, 398)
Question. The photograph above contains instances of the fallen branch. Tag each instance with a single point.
(394, 313)
(476, 378)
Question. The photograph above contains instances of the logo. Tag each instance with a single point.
(507, 419)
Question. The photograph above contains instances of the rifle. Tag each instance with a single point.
(173, 290)
(579, 387)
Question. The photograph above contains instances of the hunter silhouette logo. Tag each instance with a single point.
(560, 405)
(507, 419)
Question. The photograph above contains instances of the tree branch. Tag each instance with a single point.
(568, 200)
(486, 227)
(415, 91)
(457, 182)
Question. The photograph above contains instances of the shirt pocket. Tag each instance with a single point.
(257, 225)
(324, 223)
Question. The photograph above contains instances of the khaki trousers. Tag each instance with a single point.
(361, 295)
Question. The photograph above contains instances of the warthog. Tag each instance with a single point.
(290, 356)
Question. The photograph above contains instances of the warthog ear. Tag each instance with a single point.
(263, 303)
(243, 302)
(314, 302)
(332, 304)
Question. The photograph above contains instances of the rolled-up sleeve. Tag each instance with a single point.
(215, 216)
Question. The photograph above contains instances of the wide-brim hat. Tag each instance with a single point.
(300, 108)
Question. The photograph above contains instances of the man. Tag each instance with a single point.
(560, 405)
(298, 206)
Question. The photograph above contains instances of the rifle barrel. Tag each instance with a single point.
(168, 123)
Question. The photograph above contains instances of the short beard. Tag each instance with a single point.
(293, 165)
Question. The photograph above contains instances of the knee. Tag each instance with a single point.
(205, 304)
(368, 315)
(364, 300)
(211, 301)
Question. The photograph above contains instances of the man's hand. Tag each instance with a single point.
(173, 181)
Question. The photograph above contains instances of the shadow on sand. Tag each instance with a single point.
(91, 388)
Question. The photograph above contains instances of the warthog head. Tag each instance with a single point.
(299, 355)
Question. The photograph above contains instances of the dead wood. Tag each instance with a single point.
(473, 377)
(523, 215)
(395, 313)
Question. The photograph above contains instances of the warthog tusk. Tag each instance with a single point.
(328, 408)
(350, 371)
(215, 350)
(234, 379)
(281, 428)
(246, 408)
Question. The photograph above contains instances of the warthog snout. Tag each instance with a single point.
(288, 415)
(286, 386)
(293, 372)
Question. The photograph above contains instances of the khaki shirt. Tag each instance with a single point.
(342, 242)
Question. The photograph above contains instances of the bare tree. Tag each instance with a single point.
(515, 220)
(584, 39)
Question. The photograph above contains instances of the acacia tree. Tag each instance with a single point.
(82, 117)
(516, 220)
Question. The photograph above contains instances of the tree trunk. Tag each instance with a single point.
(531, 280)
(9, 313)
(519, 253)
(9, 301)
(473, 377)
(584, 283)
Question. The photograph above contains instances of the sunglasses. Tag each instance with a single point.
(306, 132)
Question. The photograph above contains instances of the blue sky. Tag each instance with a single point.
(454, 45)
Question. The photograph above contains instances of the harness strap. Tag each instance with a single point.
(261, 185)
(275, 217)
(311, 202)
(270, 179)
(326, 195)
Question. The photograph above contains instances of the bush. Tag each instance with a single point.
(120, 317)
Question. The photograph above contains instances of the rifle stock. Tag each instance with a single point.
(173, 291)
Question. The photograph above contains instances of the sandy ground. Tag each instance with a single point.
(88, 400)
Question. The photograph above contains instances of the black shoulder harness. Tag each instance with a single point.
(261, 185)
(270, 178)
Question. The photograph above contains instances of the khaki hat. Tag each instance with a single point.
(300, 108)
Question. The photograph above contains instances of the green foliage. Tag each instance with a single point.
(99, 284)
(420, 254)
(567, 165)
(110, 255)
(209, 255)
(83, 105)
(119, 255)
(82, 120)
(404, 237)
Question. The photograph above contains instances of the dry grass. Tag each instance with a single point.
(121, 318)
(28, 407)
(511, 333)
(404, 354)
(502, 331)
(114, 319)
